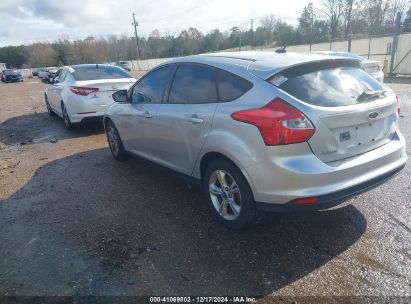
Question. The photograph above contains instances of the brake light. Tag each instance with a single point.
(83, 91)
(398, 106)
(279, 123)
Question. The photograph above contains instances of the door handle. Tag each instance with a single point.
(148, 115)
(195, 119)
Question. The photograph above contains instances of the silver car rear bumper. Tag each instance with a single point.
(278, 181)
(332, 199)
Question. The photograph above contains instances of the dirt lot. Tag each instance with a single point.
(73, 221)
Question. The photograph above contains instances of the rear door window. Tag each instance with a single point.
(329, 87)
(193, 84)
(230, 86)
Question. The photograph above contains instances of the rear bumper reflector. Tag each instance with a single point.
(82, 113)
(305, 201)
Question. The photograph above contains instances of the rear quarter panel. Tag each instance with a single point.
(242, 143)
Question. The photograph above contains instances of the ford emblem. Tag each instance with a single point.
(373, 115)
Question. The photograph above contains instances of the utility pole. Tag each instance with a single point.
(135, 24)
(311, 10)
(349, 27)
(252, 33)
(395, 42)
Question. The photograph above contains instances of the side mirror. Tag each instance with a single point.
(54, 81)
(120, 96)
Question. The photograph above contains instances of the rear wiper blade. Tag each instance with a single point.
(369, 95)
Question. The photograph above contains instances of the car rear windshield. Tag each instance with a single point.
(329, 85)
(99, 72)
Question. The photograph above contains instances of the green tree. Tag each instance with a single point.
(284, 33)
(305, 23)
(334, 10)
(190, 40)
(213, 41)
(406, 26)
(14, 56)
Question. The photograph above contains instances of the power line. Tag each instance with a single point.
(234, 21)
(177, 14)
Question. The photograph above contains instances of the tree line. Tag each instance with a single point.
(330, 20)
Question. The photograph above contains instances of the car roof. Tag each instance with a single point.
(260, 64)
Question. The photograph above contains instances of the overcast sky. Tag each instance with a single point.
(28, 21)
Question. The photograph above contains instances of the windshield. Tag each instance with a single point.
(99, 72)
(12, 72)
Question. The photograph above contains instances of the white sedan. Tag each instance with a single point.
(372, 67)
(83, 92)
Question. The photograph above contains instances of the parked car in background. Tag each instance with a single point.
(1, 74)
(83, 92)
(372, 67)
(35, 72)
(51, 73)
(11, 76)
(43, 73)
(262, 131)
(123, 64)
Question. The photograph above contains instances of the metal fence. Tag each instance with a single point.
(147, 64)
(374, 48)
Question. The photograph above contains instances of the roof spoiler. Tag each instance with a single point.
(307, 67)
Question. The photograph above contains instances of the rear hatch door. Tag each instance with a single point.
(343, 133)
(352, 112)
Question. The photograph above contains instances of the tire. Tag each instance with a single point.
(67, 123)
(49, 109)
(234, 208)
(114, 141)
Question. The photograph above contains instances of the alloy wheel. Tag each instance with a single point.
(225, 194)
(48, 106)
(113, 140)
(65, 117)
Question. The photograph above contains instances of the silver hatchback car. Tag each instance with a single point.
(262, 131)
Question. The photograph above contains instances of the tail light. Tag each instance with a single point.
(83, 91)
(398, 106)
(279, 123)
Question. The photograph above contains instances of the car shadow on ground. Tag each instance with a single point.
(89, 225)
(41, 127)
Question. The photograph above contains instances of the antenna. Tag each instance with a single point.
(282, 49)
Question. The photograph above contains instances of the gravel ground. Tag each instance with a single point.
(73, 222)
